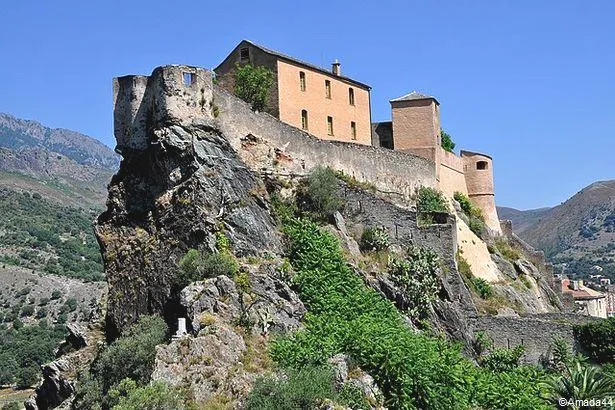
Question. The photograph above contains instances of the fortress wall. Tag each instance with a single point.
(534, 332)
(295, 151)
(452, 177)
(129, 119)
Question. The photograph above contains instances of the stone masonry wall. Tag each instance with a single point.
(534, 332)
(264, 142)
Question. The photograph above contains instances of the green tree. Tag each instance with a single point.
(597, 339)
(446, 141)
(320, 194)
(252, 84)
(154, 396)
(430, 200)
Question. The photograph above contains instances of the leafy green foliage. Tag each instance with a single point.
(446, 141)
(37, 227)
(416, 276)
(502, 360)
(508, 252)
(476, 220)
(304, 388)
(476, 284)
(252, 84)
(598, 340)
(195, 266)
(430, 200)
(580, 382)
(131, 356)
(24, 349)
(154, 396)
(413, 369)
(375, 239)
(320, 193)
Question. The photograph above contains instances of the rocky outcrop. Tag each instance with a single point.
(345, 373)
(265, 304)
(59, 377)
(166, 199)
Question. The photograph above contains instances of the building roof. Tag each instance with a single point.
(414, 95)
(583, 292)
(294, 60)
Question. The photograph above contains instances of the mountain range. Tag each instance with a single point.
(578, 236)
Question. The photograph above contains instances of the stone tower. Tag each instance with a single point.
(416, 125)
(479, 181)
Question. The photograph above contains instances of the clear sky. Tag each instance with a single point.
(529, 82)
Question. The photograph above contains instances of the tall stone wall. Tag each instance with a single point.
(264, 142)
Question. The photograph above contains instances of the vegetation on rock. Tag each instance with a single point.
(476, 220)
(129, 357)
(319, 193)
(430, 200)
(374, 239)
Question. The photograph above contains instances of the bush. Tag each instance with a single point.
(56, 294)
(430, 200)
(482, 287)
(305, 388)
(446, 141)
(195, 266)
(508, 252)
(502, 360)
(252, 84)
(375, 239)
(417, 278)
(597, 339)
(131, 356)
(476, 221)
(154, 396)
(321, 192)
(27, 310)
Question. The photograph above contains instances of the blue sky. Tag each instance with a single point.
(529, 82)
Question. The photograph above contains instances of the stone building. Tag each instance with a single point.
(324, 103)
(591, 302)
(415, 129)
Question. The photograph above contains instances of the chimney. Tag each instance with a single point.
(336, 68)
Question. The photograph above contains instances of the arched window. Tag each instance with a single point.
(351, 96)
(482, 165)
(304, 119)
(302, 80)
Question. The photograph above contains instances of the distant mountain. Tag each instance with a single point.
(62, 165)
(522, 219)
(17, 134)
(578, 235)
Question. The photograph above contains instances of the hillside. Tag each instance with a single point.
(17, 134)
(522, 219)
(578, 235)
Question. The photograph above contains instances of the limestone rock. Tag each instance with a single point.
(203, 364)
(354, 376)
(269, 305)
(349, 242)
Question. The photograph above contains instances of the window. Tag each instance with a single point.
(330, 125)
(351, 96)
(353, 130)
(302, 80)
(244, 54)
(328, 88)
(304, 120)
(188, 78)
(481, 165)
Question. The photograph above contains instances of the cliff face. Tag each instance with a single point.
(167, 199)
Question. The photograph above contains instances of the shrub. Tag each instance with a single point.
(195, 266)
(56, 294)
(598, 340)
(580, 382)
(27, 310)
(430, 200)
(154, 396)
(508, 252)
(446, 141)
(252, 84)
(375, 239)
(417, 277)
(482, 287)
(305, 388)
(502, 360)
(321, 192)
(476, 221)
